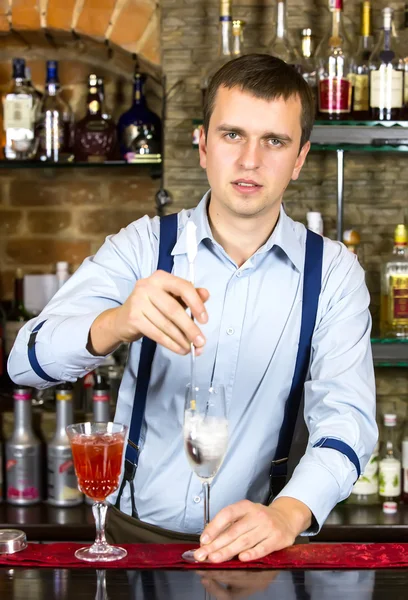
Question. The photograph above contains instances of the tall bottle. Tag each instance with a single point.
(23, 454)
(334, 72)
(19, 108)
(238, 38)
(18, 315)
(62, 481)
(404, 59)
(394, 288)
(307, 63)
(386, 74)
(361, 66)
(101, 400)
(389, 468)
(139, 128)
(95, 136)
(55, 120)
(101, 87)
(365, 490)
(224, 46)
(280, 45)
(405, 464)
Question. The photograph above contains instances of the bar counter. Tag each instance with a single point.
(346, 523)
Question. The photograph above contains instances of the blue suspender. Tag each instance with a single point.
(32, 356)
(168, 239)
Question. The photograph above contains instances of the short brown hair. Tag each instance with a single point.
(265, 77)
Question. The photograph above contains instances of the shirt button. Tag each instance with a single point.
(230, 331)
(239, 273)
(197, 499)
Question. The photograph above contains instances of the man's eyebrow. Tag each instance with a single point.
(225, 127)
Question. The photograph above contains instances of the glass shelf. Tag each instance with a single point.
(37, 164)
(390, 352)
(360, 136)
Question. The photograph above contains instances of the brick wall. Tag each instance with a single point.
(375, 184)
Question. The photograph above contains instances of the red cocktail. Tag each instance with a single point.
(97, 450)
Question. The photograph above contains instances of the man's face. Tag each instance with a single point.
(251, 152)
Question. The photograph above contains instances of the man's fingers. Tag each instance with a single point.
(173, 310)
(186, 291)
(224, 519)
(215, 589)
(150, 330)
(263, 548)
(241, 544)
(203, 293)
(238, 530)
(166, 326)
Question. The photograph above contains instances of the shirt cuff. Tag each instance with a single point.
(61, 348)
(316, 487)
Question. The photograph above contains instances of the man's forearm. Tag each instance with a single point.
(103, 338)
(298, 515)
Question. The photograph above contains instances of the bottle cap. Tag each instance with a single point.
(390, 508)
(62, 265)
(400, 234)
(390, 420)
(12, 540)
(352, 237)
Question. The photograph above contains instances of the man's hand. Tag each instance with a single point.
(156, 308)
(236, 584)
(251, 531)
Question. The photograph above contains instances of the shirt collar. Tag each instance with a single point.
(284, 235)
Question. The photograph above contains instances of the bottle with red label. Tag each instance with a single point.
(394, 288)
(62, 482)
(23, 454)
(335, 69)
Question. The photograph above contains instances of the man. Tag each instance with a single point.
(248, 311)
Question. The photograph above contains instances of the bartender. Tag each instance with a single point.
(278, 311)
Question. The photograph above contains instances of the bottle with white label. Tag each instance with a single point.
(365, 490)
(62, 481)
(405, 464)
(390, 463)
(19, 109)
(386, 74)
(23, 454)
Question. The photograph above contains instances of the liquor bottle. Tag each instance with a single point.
(18, 314)
(139, 129)
(237, 38)
(62, 481)
(19, 107)
(394, 288)
(365, 490)
(361, 65)
(389, 468)
(315, 222)
(334, 71)
(404, 59)
(101, 400)
(101, 87)
(224, 46)
(55, 121)
(280, 46)
(405, 464)
(307, 63)
(23, 455)
(95, 137)
(386, 74)
(30, 84)
(62, 273)
(351, 239)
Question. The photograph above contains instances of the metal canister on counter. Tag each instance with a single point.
(23, 454)
(101, 400)
(62, 481)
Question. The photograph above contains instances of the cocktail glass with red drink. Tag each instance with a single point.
(97, 450)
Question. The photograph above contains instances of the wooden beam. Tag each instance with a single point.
(60, 13)
(25, 14)
(132, 22)
(95, 17)
(4, 15)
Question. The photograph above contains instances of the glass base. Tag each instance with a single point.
(189, 557)
(101, 552)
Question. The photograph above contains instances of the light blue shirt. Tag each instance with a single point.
(252, 337)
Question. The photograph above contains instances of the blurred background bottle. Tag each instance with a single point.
(238, 27)
(389, 468)
(365, 490)
(18, 315)
(280, 45)
(361, 65)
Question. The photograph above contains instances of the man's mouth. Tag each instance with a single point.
(247, 184)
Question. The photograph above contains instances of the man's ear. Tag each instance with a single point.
(300, 161)
(202, 148)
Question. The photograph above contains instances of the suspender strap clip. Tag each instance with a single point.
(342, 447)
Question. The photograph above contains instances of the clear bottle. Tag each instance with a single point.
(139, 128)
(30, 84)
(334, 71)
(280, 46)
(386, 74)
(62, 482)
(95, 137)
(404, 59)
(315, 222)
(365, 490)
(55, 121)
(389, 468)
(19, 108)
(307, 63)
(62, 273)
(101, 87)
(18, 315)
(23, 454)
(394, 288)
(238, 46)
(224, 46)
(361, 65)
(405, 464)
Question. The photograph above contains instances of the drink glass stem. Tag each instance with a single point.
(206, 490)
(99, 510)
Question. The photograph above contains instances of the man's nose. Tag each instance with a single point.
(250, 157)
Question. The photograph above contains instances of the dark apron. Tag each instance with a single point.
(123, 528)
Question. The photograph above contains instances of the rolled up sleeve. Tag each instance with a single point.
(339, 395)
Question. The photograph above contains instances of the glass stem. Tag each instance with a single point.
(99, 510)
(206, 490)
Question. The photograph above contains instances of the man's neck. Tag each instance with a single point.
(240, 237)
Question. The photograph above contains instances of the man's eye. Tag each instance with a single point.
(275, 142)
(231, 135)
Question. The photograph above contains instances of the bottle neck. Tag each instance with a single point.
(391, 443)
(138, 96)
(22, 416)
(336, 24)
(65, 416)
(237, 43)
(307, 46)
(281, 24)
(224, 45)
(52, 88)
(94, 102)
